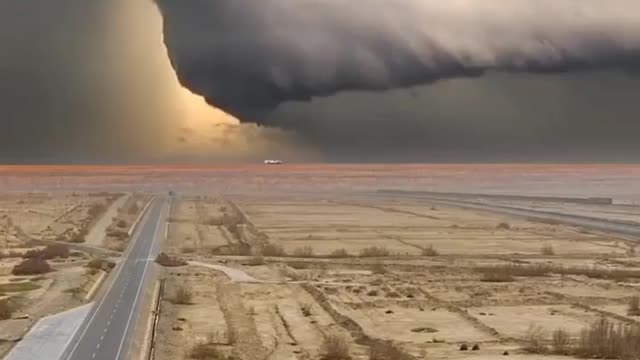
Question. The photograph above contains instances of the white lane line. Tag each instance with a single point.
(121, 264)
(140, 283)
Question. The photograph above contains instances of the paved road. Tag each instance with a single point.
(107, 332)
(599, 224)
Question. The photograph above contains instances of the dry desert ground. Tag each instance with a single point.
(382, 278)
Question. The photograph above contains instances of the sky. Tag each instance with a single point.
(146, 81)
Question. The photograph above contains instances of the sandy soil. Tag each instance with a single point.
(426, 305)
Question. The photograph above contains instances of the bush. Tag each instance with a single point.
(339, 253)
(306, 309)
(547, 250)
(6, 310)
(430, 251)
(503, 226)
(535, 340)
(335, 347)
(378, 268)
(497, 277)
(96, 209)
(33, 266)
(101, 264)
(385, 350)
(170, 261)
(561, 342)
(122, 224)
(634, 306)
(374, 251)
(182, 296)
(604, 340)
(303, 252)
(256, 261)
(273, 250)
(204, 351)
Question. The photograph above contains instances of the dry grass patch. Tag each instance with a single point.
(535, 340)
(6, 309)
(204, 351)
(339, 253)
(605, 340)
(375, 251)
(182, 296)
(335, 347)
(634, 306)
(256, 261)
(430, 251)
(547, 250)
(561, 342)
(273, 250)
(378, 268)
(303, 252)
(385, 350)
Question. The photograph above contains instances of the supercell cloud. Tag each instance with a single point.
(249, 56)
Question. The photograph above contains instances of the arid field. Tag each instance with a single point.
(383, 278)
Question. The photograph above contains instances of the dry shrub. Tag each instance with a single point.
(134, 208)
(634, 306)
(561, 342)
(335, 347)
(6, 310)
(96, 209)
(170, 261)
(55, 250)
(118, 234)
(430, 251)
(605, 340)
(298, 265)
(122, 224)
(304, 252)
(378, 268)
(188, 250)
(233, 249)
(101, 264)
(256, 261)
(374, 251)
(503, 226)
(547, 250)
(339, 253)
(535, 339)
(546, 269)
(204, 351)
(386, 350)
(497, 277)
(306, 309)
(33, 266)
(182, 296)
(273, 250)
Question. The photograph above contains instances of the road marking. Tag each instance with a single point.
(144, 213)
(144, 271)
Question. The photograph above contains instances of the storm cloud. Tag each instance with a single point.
(247, 57)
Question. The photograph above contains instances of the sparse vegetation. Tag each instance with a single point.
(303, 252)
(547, 250)
(274, 250)
(634, 306)
(306, 309)
(256, 260)
(182, 296)
(335, 347)
(605, 340)
(386, 350)
(169, 261)
(378, 268)
(430, 251)
(6, 309)
(339, 253)
(122, 224)
(101, 264)
(33, 266)
(535, 339)
(503, 226)
(547, 269)
(207, 351)
(561, 342)
(374, 251)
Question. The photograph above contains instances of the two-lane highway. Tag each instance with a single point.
(107, 332)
